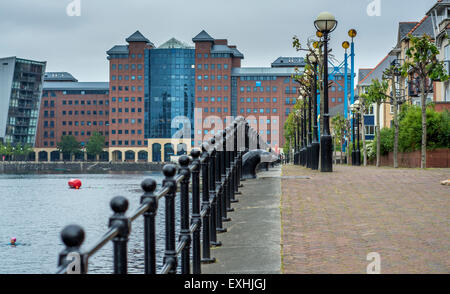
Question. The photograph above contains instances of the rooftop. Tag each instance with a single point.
(138, 37)
(264, 71)
(175, 44)
(59, 76)
(55, 86)
(289, 62)
(203, 36)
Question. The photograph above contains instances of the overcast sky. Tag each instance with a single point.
(262, 29)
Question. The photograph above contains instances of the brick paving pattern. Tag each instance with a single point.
(330, 222)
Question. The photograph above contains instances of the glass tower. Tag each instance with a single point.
(170, 88)
(20, 96)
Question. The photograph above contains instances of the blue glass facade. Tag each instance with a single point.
(169, 91)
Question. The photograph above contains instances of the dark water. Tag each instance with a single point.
(35, 208)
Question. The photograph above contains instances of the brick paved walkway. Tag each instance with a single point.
(330, 222)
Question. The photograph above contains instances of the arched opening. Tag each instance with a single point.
(104, 156)
(143, 156)
(43, 156)
(117, 156)
(129, 156)
(156, 152)
(90, 157)
(168, 152)
(79, 156)
(54, 156)
(181, 149)
(32, 156)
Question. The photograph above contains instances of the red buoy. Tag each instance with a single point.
(74, 184)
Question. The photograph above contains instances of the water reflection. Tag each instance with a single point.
(35, 208)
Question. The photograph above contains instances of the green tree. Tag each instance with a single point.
(422, 61)
(69, 145)
(376, 94)
(339, 125)
(95, 145)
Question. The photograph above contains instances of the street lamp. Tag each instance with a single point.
(326, 23)
(315, 146)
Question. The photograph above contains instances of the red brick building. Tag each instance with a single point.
(69, 107)
(127, 76)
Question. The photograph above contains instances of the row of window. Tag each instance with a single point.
(261, 89)
(126, 132)
(214, 55)
(126, 88)
(258, 110)
(259, 78)
(212, 88)
(213, 77)
(82, 123)
(212, 99)
(334, 99)
(126, 109)
(81, 133)
(126, 66)
(83, 102)
(126, 99)
(261, 100)
(126, 78)
(76, 92)
(126, 121)
(212, 66)
(82, 112)
(128, 143)
(212, 109)
(261, 121)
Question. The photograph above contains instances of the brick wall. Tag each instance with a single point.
(438, 158)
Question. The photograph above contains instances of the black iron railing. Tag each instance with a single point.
(220, 165)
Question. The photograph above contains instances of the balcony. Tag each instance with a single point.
(414, 88)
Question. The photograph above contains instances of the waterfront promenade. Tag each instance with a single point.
(252, 243)
(330, 222)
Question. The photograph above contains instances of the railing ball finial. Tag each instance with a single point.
(195, 153)
(169, 170)
(119, 204)
(148, 185)
(184, 160)
(72, 236)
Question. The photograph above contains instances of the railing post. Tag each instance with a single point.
(228, 171)
(72, 236)
(236, 159)
(119, 205)
(149, 187)
(213, 196)
(219, 186)
(205, 206)
(223, 165)
(196, 218)
(170, 256)
(185, 232)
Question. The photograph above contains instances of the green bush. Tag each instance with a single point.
(410, 133)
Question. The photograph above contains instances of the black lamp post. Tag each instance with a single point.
(352, 108)
(315, 145)
(326, 23)
(308, 130)
(304, 143)
(358, 150)
(297, 144)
